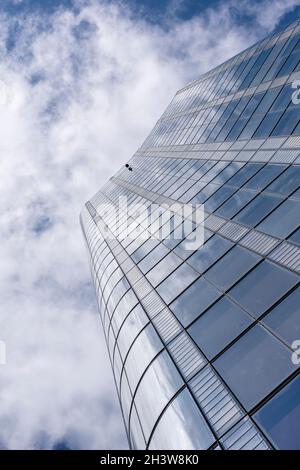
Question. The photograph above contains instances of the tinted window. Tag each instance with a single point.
(295, 237)
(135, 321)
(284, 320)
(198, 297)
(283, 221)
(184, 415)
(257, 209)
(218, 198)
(244, 174)
(163, 268)
(255, 365)
(280, 417)
(144, 249)
(262, 287)
(264, 177)
(144, 349)
(181, 278)
(236, 203)
(286, 183)
(159, 384)
(219, 326)
(209, 253)
(232, 267)
(153, 257)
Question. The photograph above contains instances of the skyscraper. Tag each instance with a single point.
(204, 336)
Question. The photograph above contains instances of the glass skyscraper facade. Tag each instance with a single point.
(203, 342)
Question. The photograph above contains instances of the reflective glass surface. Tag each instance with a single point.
(284, 319)
(161, 381)
(184, 415)
(219, 326)
(262, 287)
(255, 365)
(202, 338)
(235, 264)
(280, 417)
(194, 301)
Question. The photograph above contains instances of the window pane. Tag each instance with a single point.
(144, 349)
(255, 365)
(232, 267)
(219, 326)
(159, 384)
(280, 417)
(284, 319)
(194, 301)
(283, 221)
(163, 268)
(261, 288)
(209, 253)
(181, 278)
(267, 174)
(184, 415)
(286, 183)
(295, 238)
(126, 304)
(153, 257)
(133, 324)
(236, 203)
(267, 125)
(218, 198)
(144, 249)
(245, 174)
(288, 122)
(257, 210)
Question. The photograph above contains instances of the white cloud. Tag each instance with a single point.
(82, 90)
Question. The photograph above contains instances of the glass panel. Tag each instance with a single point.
(236, 203)
(261, 288)
(182, 427)
(156, 389)
(283, 221)
(223, 322)
(184, 247)
(288, 122)
(295, 238)
(257, 210)
(163, 268)
(136, 433)
(194, 301)
(181, 278)
(284, 320)
(229, 269)
(153, 257)
(133, 324)
(245, 174)
(218, 198)
(117, 293)
(267, 174)
(144, 249)
(255, 365)
(280, 417)
(126, 304)
(286, 183)
(143, 350)
(209, 253)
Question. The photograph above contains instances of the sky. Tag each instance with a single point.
(82, 82)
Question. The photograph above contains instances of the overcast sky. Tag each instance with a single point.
(81, 85)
